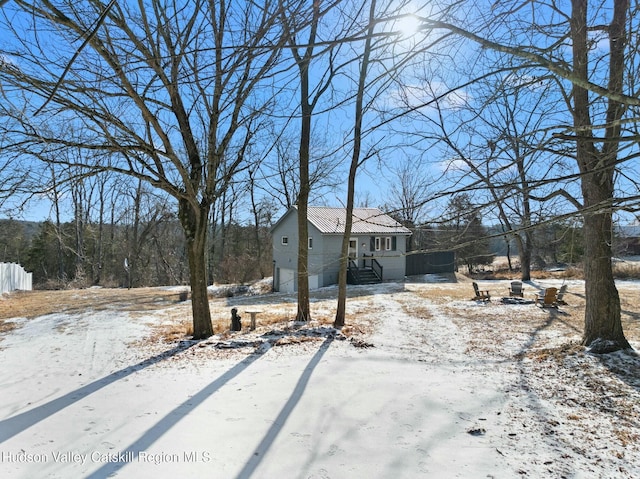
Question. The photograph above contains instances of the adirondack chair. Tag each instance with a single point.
(481, 295)
(516, 289)
(560, 295)
(547, 298)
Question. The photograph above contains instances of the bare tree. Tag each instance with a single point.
(163, 90)
(339, 320)
(597, 110)
(380, 45)
(462, 230)
(304, 52)
(508, 154)
(261, 217)
(409, 195)
(603, 327)
(283, 179)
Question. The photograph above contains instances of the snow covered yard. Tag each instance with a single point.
(422, 382)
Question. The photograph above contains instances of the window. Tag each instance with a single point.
(285, 240)
(387, 243)
(310, 242)
(377, 244)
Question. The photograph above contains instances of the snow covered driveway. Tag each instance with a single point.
(79, 400)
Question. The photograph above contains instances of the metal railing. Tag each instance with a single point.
(354, 273)
(377, 268)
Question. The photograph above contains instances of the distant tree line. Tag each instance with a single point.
(134, 250)
(463, 229)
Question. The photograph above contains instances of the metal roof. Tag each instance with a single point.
(365, 221)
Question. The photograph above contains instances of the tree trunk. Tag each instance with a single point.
(59, 244)
(304, 308)
(355, 161)
(256, 220)
(77, 196)
(508, 242)
(341, 307)
(603, 326)
(100, 240)
(194, 223)
(524, 250)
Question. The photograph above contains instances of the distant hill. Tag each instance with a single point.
(29, 228)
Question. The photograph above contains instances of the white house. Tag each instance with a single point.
(377, 247)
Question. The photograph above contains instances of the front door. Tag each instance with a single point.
(353, 249)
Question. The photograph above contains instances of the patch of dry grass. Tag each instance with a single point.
(31, 304)
(626, 270)
(178, 324)
(626, 437)
(6, 326)
(503, 321)
(495, 323)
(421, 312)
(557, 353)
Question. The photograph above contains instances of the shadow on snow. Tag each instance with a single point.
(16, 424)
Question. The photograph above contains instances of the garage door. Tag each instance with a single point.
(287, 285)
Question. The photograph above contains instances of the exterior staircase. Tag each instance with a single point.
(365, 274)
(368, 276)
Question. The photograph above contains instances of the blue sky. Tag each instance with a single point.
(409, 140)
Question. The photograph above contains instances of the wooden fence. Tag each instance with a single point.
(13, 276)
